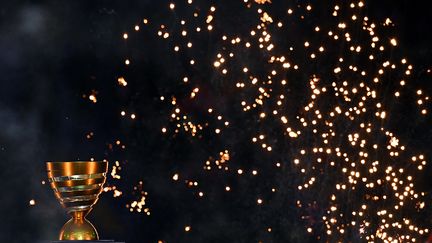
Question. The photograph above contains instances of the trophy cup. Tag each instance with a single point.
(77, 186)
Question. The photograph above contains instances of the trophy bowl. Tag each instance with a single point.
(77, 185)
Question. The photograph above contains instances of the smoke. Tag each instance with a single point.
(23, 140)
(32, 20)
(21, 166)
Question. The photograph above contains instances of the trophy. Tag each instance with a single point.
(77, 186)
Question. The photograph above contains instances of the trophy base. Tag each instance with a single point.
(86, 241)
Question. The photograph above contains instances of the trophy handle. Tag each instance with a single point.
(78, 228)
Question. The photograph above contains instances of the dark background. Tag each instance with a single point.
(53, 52)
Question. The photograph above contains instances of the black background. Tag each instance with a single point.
(53, 52)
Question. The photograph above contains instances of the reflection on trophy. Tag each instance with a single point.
(77, 186)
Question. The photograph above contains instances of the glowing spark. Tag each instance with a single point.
(122, 81)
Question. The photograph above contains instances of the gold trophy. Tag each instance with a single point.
(77, 186)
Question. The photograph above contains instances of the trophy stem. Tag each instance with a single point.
(79, 216)
(78, 228)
